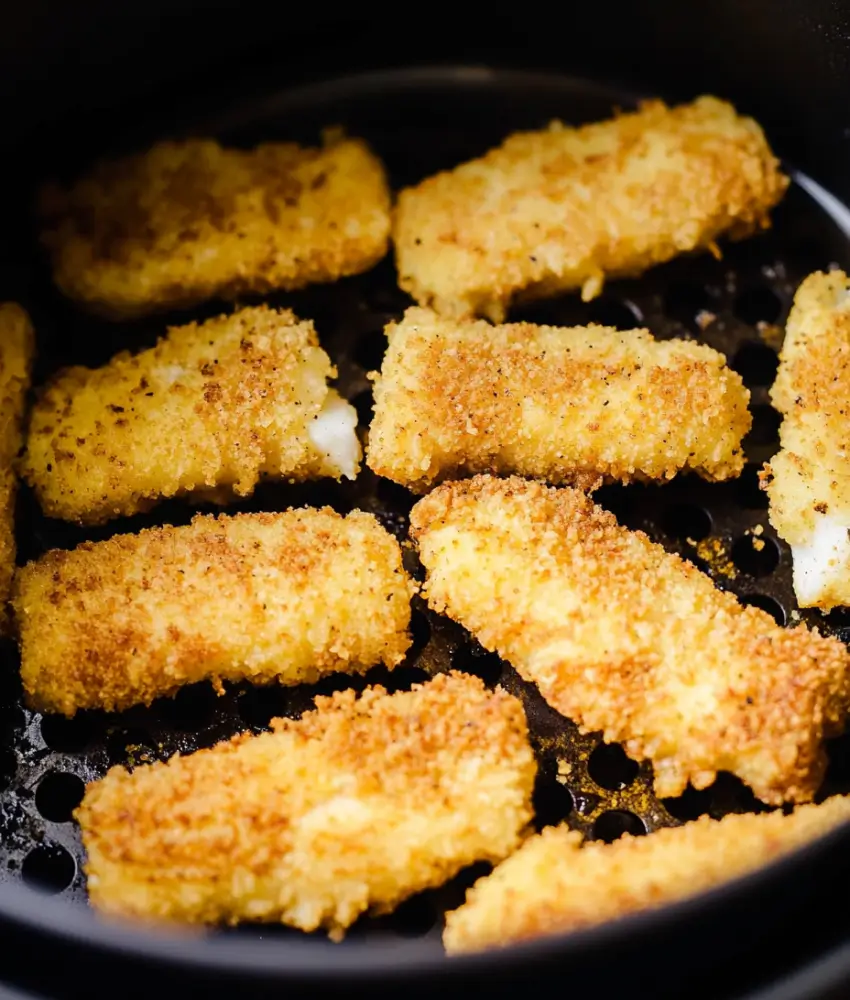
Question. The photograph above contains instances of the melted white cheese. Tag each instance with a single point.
(334, 434)
(822, 563)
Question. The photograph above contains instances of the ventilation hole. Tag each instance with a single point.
(475, 659)
(748, 489)
(415, 917)
(258, 706)
(552, 801)
(191, 708)
(687, 521)
(756, 364)
(607, 311)
(8, 767)
(614, 823)
(758, 305)
(765, 429)
(49, 868)
(611, 768)
(67, 735)
(369, 352)
(685, 300)
(690, 805)
(838, 618)
(756, 556)
(768, 604)
(364, 404)
(58, 795)
(130, 747)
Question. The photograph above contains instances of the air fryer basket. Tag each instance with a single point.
(420, 121)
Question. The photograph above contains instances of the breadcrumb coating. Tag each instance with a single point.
(569, 405)
(286, 597)
(809, 479)
(189, 221)
(209, 411)
(17, 348)
(626, 638)
(554, 883)
(565, 208)
(354, 807)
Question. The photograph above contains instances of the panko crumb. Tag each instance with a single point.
(353, 808)
(623, 637)
(285, 598)
(210, 411)
(575, 405)
(190, 221)
(17, 348)
(555, 884)
(566, 208)
(808, 481)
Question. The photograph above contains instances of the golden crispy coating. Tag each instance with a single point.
(809, 480)
(567, 405)
(17, 346)
(564, 208)
(189, 221)
(211, 410)
(267, 597)
(356, 806)
(625, 638)
(554, 883)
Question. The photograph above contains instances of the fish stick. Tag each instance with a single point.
(190, 221)
(554, 883)
(808, 481)
(354, 807)
(626, 638)
(286, 597)
(570, 405)
(207, 413)
(17, 346)
(563, 209)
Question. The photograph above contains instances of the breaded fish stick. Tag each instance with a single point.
(565, 208)
(354, 807)
(570, 405)
(190, 221)
(210, 411)
(17, 345)
(626, 638)
(281, 598)
(809, 480)
(554, 883)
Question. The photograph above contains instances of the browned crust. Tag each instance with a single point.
(17, 349)
(356, 806)
(554, 883)
(211, 410)
(626, 638)
(569, 405)
(563, 208)
(810, 476)
(286, 598)
(189, 221)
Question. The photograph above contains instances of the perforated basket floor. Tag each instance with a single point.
(424, 122)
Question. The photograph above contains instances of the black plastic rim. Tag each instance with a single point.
(248, 958)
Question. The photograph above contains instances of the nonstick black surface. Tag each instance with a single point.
(429, 121)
